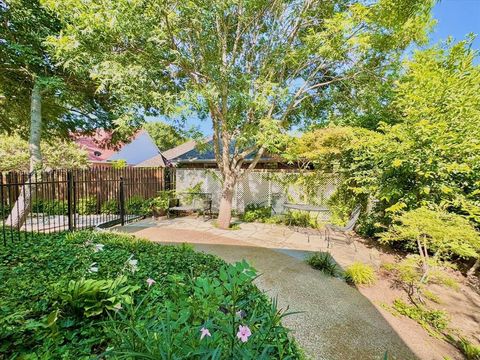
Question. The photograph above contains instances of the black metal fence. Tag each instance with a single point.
(66, 200)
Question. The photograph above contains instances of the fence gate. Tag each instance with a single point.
(67, 200)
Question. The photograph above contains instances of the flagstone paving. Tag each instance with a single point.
(259, 235)
(335, 321)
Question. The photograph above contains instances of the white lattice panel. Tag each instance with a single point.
(260, 187)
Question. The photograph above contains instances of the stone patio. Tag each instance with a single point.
(194, 230)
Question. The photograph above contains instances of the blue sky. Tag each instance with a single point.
(455, 18)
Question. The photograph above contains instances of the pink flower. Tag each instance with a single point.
(150, 282)
(204, 332)
(243, 333)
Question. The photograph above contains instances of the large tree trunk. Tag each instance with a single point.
(225, 210)
(20, 210)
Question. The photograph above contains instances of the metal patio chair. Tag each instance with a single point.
(344, 230)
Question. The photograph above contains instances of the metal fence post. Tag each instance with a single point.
(70, 202)
(122, 202)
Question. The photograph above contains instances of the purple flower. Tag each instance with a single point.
(243, 333)
(204, 332)
(150, 282)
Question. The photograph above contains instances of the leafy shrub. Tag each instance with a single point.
(434, 321)
(275, 219)
(58, 154)
(93, 297)
(471, 351)
(220, 307)
(192, 193)
(87, 206)
(324, 262)
(110, 207)
(56, 304)
(409, 275)
(119, 164)
(360, 274)
(162, 201)
(301, 218)
(436, 231)
(256, 212)
(50, 207)
(5, 210)
(136, 205)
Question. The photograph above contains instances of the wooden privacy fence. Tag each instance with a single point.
(61, 200)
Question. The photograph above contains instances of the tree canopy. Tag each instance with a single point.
(165, 135)
(441, 232)
(254, 68)
(70, 101)
(14, 155)
(432, 156)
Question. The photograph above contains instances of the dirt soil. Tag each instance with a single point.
(462, 305)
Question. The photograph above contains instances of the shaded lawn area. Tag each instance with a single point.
(88, 294)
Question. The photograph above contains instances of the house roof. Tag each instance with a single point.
(179, 150)
(94, 145)
(156, 161)
(139, 147)
(167, 157)
(207, 155)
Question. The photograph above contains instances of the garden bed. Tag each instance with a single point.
(89, 294)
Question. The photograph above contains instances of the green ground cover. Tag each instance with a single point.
(89, 295)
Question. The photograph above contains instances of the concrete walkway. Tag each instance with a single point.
(336, 320)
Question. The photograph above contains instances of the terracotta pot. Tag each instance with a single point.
(156, 212)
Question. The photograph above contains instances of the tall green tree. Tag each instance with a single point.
(432, 156)
(40, 99)
(61, 154)
(253, 68)
(165, 135)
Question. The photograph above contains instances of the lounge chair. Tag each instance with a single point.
(344, 230)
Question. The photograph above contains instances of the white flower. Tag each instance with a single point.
(132, 264)
(93, 268)
(98, 247)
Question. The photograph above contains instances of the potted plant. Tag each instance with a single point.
(159, 205)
